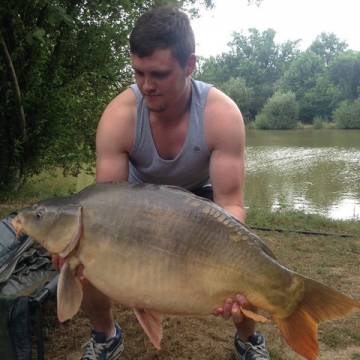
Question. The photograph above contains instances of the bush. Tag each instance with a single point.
(280, 112)
(318, 122)
(261, 121)
(347, 115)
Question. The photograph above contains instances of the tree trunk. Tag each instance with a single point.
(15, 88)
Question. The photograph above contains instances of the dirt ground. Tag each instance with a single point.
(332, 260)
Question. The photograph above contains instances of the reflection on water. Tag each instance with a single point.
(312, 170)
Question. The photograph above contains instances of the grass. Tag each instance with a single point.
(299, 220)
(11, 201)
(332, 339)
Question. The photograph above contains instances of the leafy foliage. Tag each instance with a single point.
(280, 112)
(347, 115)
(327, 46)
(255, 58)
(238, 91)
(318, 123)
(344, 71)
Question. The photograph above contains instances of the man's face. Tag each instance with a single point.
(161, 79)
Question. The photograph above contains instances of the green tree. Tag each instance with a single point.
(215, 69)
(301, 78)
(256, 58)
(321, 100)
(279, 113)
(347, 115)
(60, 62)
(344, 71)
(261, 61)
(327, 46)
(242, 95)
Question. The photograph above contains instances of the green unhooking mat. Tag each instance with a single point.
(27, 279)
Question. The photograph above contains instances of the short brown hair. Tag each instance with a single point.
(164, 27)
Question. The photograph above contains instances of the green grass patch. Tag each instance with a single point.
(332, 339)
(355, 335)
(299, 220)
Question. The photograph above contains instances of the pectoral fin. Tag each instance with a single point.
(73, 242)
(151, 323)
(254, 316)
(69, 292)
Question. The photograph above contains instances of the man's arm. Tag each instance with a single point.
(225, 135)
(114, 138)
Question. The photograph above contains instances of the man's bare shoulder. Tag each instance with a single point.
(217, 102)
(117, 123)
(222, 118)
(122, 107)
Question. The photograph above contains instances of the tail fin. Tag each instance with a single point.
(320, 303)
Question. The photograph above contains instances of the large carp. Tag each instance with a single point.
(163, 250)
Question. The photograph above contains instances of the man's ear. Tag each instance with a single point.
(191, 64)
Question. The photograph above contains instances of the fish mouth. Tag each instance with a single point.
(16, 224)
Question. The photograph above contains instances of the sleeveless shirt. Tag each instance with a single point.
(190, 168)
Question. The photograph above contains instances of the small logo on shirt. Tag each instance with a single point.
(196, 148)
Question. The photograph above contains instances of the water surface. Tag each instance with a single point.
(317, 171)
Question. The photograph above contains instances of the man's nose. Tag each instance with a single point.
(149, 84)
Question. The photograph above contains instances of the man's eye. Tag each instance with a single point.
(160, 75)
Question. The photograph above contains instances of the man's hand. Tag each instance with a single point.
(58, 263)
(231, 309)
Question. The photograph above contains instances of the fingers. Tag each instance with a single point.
(57, 262)
(236, 313)
(227, 308)
(80, 275)
(231, 308)
(218, 311)
(242, 301)
(224, 311)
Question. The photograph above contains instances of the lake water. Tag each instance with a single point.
(317, 171)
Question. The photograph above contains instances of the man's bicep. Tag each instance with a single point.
(111, 156)
(227, 179)
(112, 168)
(114, 140)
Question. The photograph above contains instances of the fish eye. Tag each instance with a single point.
(40, 213)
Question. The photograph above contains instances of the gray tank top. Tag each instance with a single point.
(190, 168)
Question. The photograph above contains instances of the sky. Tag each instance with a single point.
(291, 19)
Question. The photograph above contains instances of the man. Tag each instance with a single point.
(169, 129)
